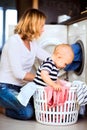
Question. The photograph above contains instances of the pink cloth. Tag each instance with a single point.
(54, 97)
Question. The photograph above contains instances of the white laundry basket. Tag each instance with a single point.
(60, 115)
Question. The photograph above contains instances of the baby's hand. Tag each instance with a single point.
(57, 87)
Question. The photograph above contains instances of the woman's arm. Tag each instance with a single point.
(42, 54)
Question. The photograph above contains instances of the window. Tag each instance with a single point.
(8, 20)
(1, 27)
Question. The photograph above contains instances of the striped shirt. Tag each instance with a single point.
(49, 66)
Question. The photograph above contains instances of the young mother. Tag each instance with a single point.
(17, 58)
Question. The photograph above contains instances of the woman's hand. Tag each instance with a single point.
(29, 77)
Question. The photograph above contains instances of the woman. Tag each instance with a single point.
(17, 59)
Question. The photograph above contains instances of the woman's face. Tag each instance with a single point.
(41, 28)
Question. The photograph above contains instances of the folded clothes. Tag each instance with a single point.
(81, 92)
(77, 58)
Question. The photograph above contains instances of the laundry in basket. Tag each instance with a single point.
(64, 114)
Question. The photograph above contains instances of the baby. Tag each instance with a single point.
(47, 73)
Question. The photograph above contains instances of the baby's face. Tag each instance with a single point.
(63, 60)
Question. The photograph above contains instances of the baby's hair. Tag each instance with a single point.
(64, 49)
(60, 47)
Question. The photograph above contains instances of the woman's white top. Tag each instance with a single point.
(17, 60)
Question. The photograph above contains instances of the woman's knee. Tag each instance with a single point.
(27, 112)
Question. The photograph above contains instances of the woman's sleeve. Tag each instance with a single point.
(42, 54)
(15, 61)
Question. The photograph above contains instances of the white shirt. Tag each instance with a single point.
(17, 60)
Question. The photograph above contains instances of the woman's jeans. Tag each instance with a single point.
(13, 107)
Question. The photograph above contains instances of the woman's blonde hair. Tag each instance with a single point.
(30, 23)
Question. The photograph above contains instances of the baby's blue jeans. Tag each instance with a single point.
(13, 107)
